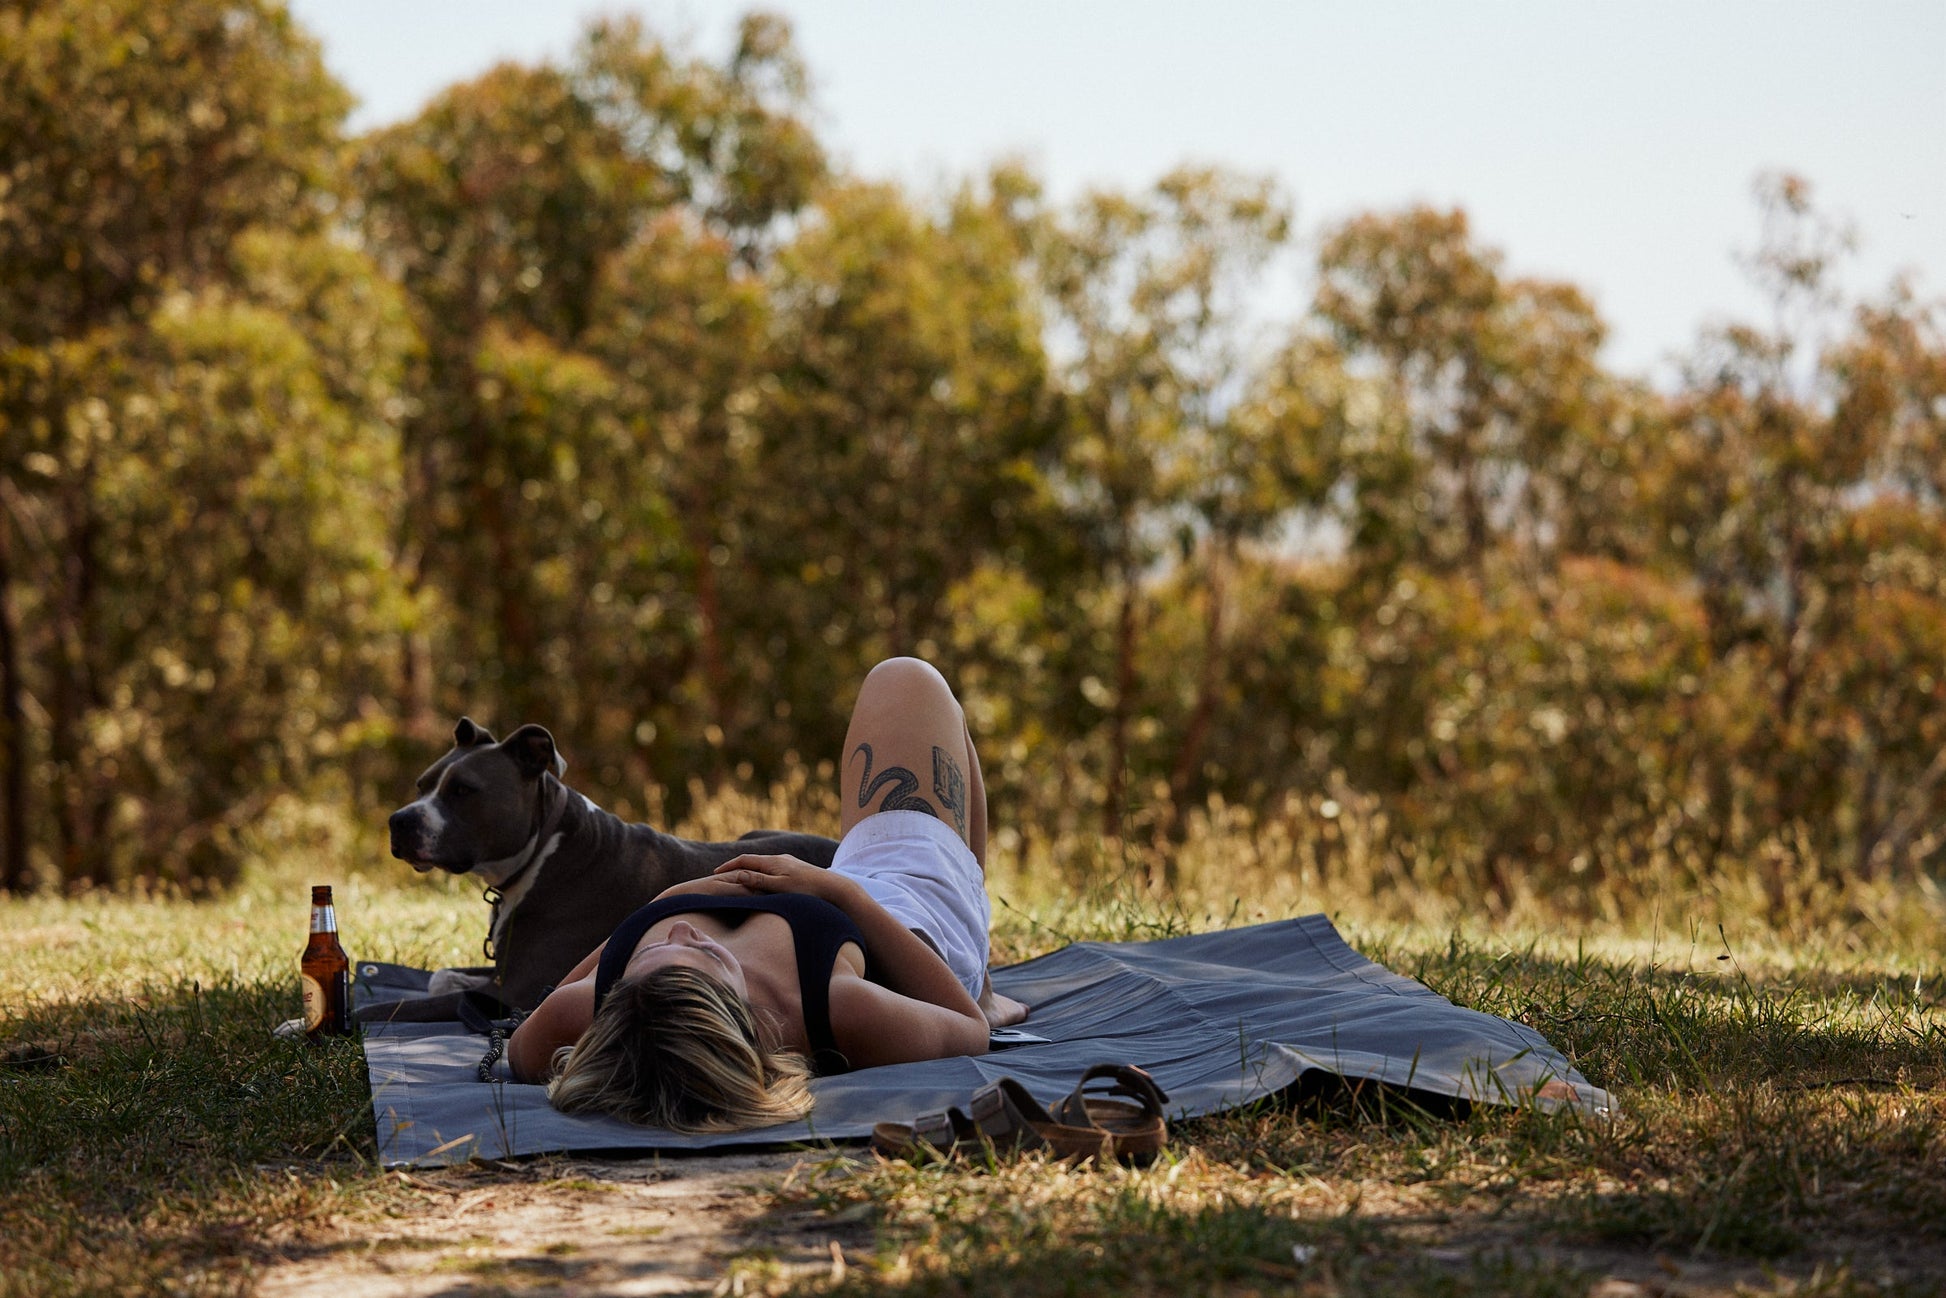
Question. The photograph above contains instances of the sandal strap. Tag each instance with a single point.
(1007, 1116)
(1133, 1082)
(940, 1130)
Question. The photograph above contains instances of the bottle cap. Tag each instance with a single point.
(320, 894)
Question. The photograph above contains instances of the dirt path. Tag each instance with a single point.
(695, 1226)
(654, 1226)
(692, 1225)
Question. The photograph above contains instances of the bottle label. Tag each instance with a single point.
(314, 1002)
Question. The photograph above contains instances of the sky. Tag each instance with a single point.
(1611, 145)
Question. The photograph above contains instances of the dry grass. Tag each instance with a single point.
(1783, 1071)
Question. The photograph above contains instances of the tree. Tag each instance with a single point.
(138, 141)
(1143, 294)
(229, 516)
(684, 326)
(1274, 453)
(908, 410)
(136, 145)
(500, 209)
(1494, 381)
(1778, 438)
(728, 143)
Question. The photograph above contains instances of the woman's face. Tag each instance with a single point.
(688, 947)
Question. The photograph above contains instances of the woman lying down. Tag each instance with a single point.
(710, 1008)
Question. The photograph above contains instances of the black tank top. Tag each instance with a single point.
(818, 929)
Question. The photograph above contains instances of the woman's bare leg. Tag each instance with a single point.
(908, 749)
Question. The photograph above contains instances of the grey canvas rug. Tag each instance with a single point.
(1220, 1019)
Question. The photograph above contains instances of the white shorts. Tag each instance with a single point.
(925, 876)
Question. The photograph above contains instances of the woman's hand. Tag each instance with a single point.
(779, 874)
(906, 966)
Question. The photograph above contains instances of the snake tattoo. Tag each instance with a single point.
(903, 782)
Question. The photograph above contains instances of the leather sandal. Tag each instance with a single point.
(995, 1124)
(1138, 1129)
(1002, 1116)
(930, 1135)
(1013, 1119)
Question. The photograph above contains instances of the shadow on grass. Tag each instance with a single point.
(1131, 1242)
(1138, 1249)
(1747, 1167)
(1758, 1113)
(1627, 1027)
(149, 1127)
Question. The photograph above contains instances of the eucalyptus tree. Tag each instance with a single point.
(1493, 380)
(1803, 496)
(1270, 459)
(683, 326)
(903, 432)
(247, 617)
(500, 208)
(1505, 471)
(1145, 296)
(138, 145)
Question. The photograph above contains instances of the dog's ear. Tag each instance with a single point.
(466, 734)
(533, 751)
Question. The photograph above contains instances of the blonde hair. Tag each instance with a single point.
(677, 1048)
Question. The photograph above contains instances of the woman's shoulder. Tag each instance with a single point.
(557, 1021)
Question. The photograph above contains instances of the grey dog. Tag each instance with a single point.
(560, 872)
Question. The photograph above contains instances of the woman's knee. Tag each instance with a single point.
(911, 678)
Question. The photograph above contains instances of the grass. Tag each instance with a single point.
(176, 1145)
(1783, 1092)
(1784, 1135)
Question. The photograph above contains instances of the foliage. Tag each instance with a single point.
(1144, 291)
(198, 473)
(138, 141)
(243, 602)
(907, 404)
(594, 395)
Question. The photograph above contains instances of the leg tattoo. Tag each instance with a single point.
(900, 797)
(950, 785)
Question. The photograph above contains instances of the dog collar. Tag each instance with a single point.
(494, 893)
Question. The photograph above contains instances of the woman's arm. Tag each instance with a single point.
(709, 885)
(901, 960)
(530, 1050)
(557, 1021)
(875, 1025)
(919, 1012)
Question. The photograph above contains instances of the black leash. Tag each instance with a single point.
(497, 1043)
(497, 1030)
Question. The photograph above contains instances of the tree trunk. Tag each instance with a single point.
(1112, 807)
(1473, 511)
(416, 675)
(74, 693)
(1883, 853)
(1189, 755)
(13, 730)
(514, 628)
(709, 611)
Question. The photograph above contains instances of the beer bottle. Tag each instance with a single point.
(326, 972)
